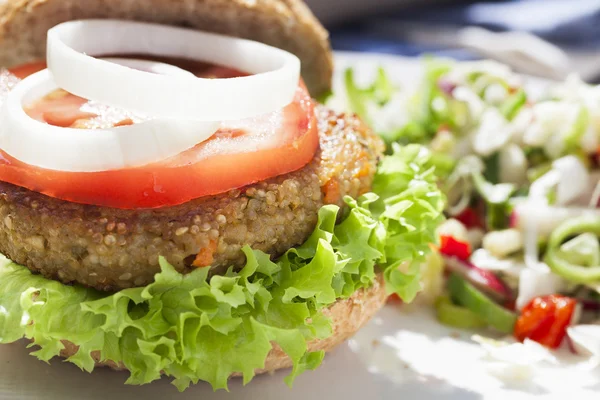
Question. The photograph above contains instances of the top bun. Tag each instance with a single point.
(287, 24)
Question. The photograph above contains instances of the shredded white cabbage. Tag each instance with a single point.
(503, 243)
(513, 164)
(492, 134)
(586, 339)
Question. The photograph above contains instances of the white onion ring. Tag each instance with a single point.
(87, 150)
(272, 87)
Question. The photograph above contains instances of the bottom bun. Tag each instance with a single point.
(347, 317)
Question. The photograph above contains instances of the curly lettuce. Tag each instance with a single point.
(197, 327)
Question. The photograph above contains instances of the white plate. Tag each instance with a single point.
(399, 355)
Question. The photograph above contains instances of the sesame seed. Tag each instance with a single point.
(271, 198)
(102, 249)
(139, 281)
(109, 240)
(126, 276)
(121, 228)
(181, 231)
(37, 242)
(97, 238)
(8, 222)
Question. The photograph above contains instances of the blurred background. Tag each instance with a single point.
(548, 38)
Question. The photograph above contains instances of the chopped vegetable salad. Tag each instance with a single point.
(519, 251)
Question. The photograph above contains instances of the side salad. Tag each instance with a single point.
(519, 253)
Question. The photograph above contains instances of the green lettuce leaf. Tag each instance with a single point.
(198, 328)
(379, 92)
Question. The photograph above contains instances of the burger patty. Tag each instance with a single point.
(112, 249)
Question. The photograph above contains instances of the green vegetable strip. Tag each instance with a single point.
(499, 193)
(564, 268)
(379, 93)
(382, 88)
(573, 137)
(456, 316)
(497, 198)
(193, 327)
(511, 106)
(356, 97)
(537, 172)
(465, 294)
(492, 168)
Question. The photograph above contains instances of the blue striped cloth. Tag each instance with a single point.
(569, 23)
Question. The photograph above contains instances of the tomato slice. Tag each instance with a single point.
(545, 320)
(239, 154)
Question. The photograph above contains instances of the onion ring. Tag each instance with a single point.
(271, 87)
(68, 149)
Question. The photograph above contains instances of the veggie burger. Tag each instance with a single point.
(174, 202)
